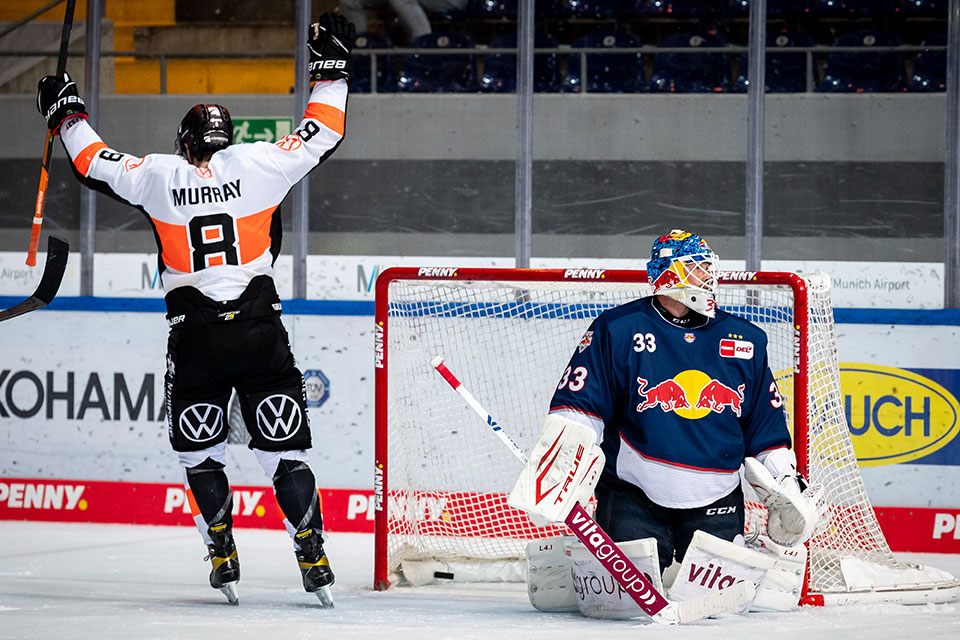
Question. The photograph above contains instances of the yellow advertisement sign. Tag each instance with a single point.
(896, 415)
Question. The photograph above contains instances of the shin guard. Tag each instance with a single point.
(214, 498)
(296, 491)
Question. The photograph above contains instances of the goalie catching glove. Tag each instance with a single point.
(58, 100)
(563, 469)
(793, 511)
(330, 41)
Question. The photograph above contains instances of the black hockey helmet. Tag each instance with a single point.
(206, 129)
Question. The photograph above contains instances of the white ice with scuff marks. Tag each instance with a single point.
(90, 581)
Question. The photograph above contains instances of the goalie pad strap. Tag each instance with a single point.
(549, 585)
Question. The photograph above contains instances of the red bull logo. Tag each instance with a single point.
(675, 235)
(675, 395)
(666, 280)
(585, 341)
(668, 394)
(717, 396)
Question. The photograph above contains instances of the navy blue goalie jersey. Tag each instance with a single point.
(676, 409)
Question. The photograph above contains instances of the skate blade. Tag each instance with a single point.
(230, 590)
(326, 597)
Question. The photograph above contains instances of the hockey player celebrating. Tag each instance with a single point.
(679, 395)
(214, 211)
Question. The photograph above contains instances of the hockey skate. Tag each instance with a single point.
(314, 566)
(222, 554)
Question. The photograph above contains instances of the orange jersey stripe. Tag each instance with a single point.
(85, 157)
(176, 245)
(330, 117)
(254, 232)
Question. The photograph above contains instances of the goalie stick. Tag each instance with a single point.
(606, 551)
(48, 148)
(57, 251)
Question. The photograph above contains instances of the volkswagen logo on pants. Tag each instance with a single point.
(201, 422)
(278, 417)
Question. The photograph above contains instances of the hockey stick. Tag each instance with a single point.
(606, 551)
(57, 251)
(48, 149)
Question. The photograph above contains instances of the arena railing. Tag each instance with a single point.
(812, 55)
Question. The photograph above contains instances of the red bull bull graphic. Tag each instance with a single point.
(675, 395)
(666, 280)
(717, 396)
(668, 394)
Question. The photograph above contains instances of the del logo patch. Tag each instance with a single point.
(585, 341)
(736, 349)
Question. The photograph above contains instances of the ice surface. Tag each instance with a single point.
(79, 581)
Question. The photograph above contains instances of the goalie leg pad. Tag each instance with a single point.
(598, 594)
(711, 564)
(549, 581)
(781, 585)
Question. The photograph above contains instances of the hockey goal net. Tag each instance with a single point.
(442, 477)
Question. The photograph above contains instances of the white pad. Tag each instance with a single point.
(563, 469)
(792, 516)
(549, 581)
(711, 564)
(598, 594)
(780, 588)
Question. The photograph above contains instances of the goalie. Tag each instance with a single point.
(678, 395)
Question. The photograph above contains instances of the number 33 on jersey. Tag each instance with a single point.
(693, 397)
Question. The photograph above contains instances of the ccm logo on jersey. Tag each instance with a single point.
(736, 349)
(719, 511)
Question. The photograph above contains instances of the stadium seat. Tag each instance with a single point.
(866, 72)
(691, 72)
(930, 67)
(439, 73)
(785, 72)
(606, 72)
(361, 82)
(678, 8)
(500, 70)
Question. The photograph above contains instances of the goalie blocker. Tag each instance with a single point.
(563, 469)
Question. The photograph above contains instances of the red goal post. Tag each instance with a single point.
(441, 480)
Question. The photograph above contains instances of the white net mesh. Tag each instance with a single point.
(508, 342)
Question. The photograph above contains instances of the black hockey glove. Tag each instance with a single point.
(58, 99)
(329, 41)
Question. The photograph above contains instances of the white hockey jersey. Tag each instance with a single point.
(215, 227)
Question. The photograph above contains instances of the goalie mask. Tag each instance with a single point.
(684, 267)
(206, 129)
